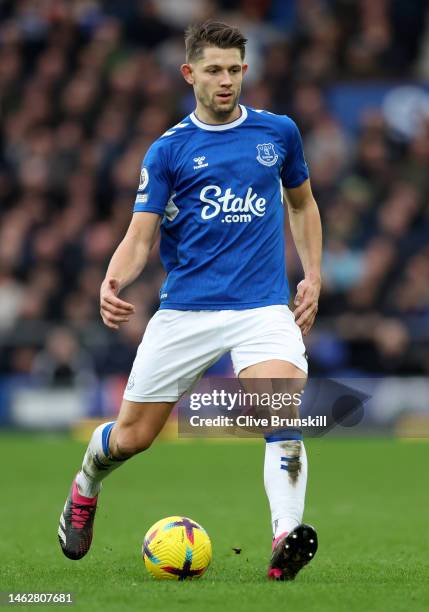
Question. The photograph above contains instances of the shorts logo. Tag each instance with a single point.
(144, 179)
(266, 154)
(131, 381)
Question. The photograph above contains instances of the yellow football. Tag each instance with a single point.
(176, 548)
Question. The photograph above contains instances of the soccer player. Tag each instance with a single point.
(213, 185)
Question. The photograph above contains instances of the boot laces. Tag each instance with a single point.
(80, 515)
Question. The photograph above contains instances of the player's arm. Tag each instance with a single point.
(306, 230)
(128, 261)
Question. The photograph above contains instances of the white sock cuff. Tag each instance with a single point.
(99, 442)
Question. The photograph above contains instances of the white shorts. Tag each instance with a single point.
(178, 346)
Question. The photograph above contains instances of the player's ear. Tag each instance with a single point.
(244, 68)
(187, 73)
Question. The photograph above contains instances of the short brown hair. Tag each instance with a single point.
(212, 34)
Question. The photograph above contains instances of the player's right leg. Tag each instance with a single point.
(110, 446)
(177, 347)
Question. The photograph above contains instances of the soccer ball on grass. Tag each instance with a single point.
(176, 548)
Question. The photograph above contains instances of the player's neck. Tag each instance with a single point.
(211, 118)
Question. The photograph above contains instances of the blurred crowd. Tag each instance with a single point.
(87, 85)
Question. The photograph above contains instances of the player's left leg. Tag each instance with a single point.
(285, 467)
(285, 478)
(268, 352)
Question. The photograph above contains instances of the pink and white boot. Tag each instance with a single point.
(291, 551)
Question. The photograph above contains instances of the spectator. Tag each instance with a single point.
(63, 362)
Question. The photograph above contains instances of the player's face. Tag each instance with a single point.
(216, 78)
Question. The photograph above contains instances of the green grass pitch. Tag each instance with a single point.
(369, 500)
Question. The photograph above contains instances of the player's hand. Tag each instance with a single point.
(113, 310)
(306, 302)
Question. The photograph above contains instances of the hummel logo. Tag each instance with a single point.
(200, 162)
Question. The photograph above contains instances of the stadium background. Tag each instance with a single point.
(85, 87)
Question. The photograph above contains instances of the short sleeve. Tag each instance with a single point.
(295, 169)
(154, 187)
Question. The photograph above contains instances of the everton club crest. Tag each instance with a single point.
(266, 154)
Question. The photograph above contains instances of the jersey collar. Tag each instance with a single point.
(220, 127)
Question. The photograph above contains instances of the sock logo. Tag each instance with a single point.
(99, 464)
(283, 463)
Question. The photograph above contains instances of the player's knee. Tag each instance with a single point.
(129, 441)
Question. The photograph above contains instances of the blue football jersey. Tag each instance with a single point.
(218, 189)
